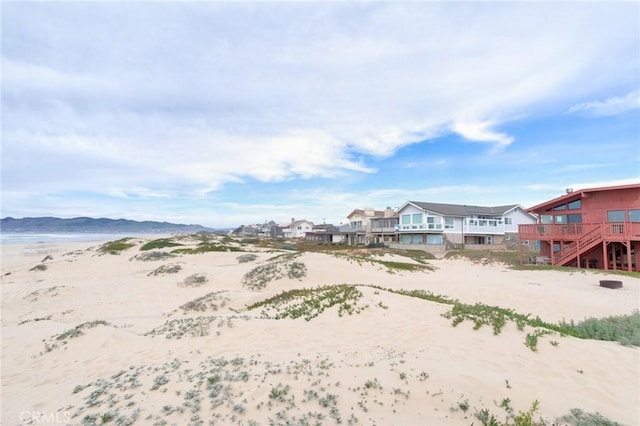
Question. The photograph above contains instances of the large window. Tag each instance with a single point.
(560, 207)
(546, 218)
(634, 215)
(417, 218)
(406, 219)
(575, 205)
(561, 219)
(615, 216)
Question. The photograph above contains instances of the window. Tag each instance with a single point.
(560, 207)
(417, 217)
(574, 218)
(508, 221)
(561, 219)
(406, 219)
(434, 239)
(634, 215)
(615, 216)
(546, 218)
(448, 223)
(575, 205)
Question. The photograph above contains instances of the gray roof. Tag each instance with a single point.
(462, 210)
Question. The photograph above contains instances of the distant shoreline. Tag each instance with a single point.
(8, 238)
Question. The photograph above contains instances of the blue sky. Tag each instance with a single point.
(234, 113)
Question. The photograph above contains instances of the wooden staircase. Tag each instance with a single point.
(586, 242)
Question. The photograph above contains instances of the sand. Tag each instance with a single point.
(137, 357)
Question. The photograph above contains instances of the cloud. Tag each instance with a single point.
(482, 132)
(148, 100)
(611, 106)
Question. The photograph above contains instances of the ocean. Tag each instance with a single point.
(35, 238)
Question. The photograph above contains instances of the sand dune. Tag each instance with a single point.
(93, 338)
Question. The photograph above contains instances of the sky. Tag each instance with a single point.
(230, 113)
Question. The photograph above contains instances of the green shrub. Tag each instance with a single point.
(40, 267)
(622, 328)
(165, 269)
(152, 256)
(194, 280)
(158, 244)
(245, 258)
(115, 247)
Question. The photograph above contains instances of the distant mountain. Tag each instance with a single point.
(91, 225)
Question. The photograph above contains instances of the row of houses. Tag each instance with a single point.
(597, 227)
(431, 226)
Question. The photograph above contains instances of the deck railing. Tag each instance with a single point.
(572, 231)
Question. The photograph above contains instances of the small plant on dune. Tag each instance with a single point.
(152, 256)
(40, 267)
(309, 303)
(463, 405)
(63, 338)
(117, 246)
(277, 268)
(165, 269)
(159, 243)
(245, 258)
(206, 247)
(211, 301)
(279, 392)
(194, 280)
(578, 417)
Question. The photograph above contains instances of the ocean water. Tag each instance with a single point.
(35, 238)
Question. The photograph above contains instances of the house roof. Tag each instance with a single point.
(362, 212)
(575, 195)
(461, 209)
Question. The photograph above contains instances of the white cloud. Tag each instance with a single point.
(611, 106)
(482, 132)
(181, 99)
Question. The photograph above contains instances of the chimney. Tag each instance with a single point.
(569, 190)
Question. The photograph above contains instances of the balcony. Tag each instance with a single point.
(383, 229)
(420, 227)
(350, 229)
(619, 231)
(495, 228)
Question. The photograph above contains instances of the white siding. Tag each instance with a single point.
(518, 217)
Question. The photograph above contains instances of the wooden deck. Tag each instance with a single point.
(621, 232)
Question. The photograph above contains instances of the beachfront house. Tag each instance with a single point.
(325, 233)
(358, 230)
(296, 229)
(593, 228)
(437, 226)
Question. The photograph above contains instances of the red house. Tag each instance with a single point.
(594, 228)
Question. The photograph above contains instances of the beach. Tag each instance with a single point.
(177, 335)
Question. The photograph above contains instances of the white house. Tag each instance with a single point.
(455, 224)
(296, 229)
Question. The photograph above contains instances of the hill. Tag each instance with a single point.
(92, 225)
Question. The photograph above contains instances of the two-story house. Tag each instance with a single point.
(595, 227)
(296, 229)
(456, 225)
(358, 231)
